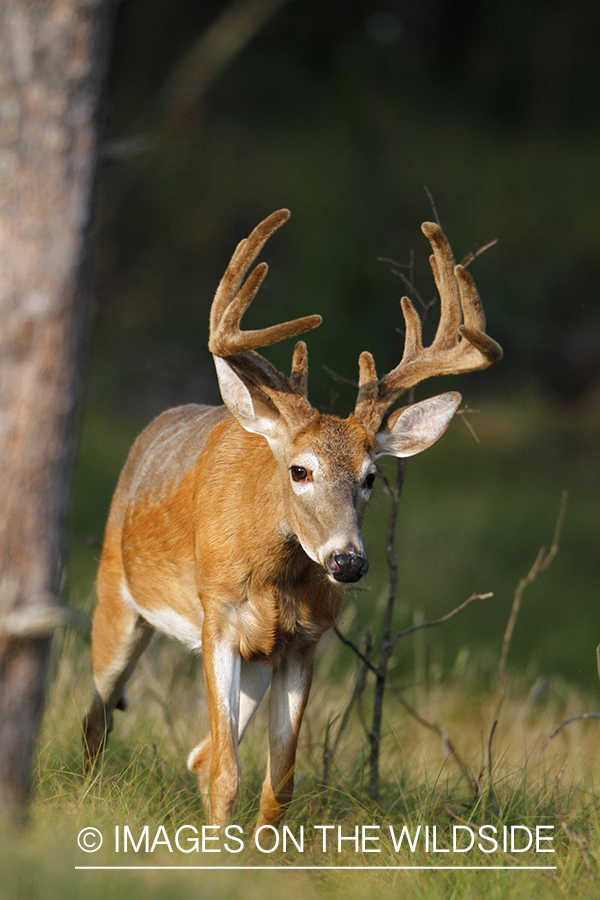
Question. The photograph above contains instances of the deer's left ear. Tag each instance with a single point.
(417, 427)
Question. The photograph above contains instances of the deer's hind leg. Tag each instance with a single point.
(119, 637)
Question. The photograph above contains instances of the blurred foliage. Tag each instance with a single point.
(344, 111)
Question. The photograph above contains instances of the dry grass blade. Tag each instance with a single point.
(575, 838)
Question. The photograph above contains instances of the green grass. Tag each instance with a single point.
(143, 782)
(473, 517)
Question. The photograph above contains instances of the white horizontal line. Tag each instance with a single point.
(313, 868)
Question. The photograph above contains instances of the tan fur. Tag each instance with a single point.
(199, 533)
(235, 530)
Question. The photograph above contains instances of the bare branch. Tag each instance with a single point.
(493, 797)
(472, 256)
(446, 618)
(216, 47)
(588, 715)
(408, 280)
(370, 665)
(448, 744)
(410, 287)
(360, 680)
(541, 563)
(339, 378)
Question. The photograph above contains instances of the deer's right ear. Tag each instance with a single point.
(247, 403)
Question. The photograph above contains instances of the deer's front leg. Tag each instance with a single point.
(290, 687)
(254, 681)
(222, 662)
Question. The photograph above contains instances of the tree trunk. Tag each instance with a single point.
(53, 63)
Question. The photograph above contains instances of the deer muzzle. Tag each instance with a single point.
(348, 567)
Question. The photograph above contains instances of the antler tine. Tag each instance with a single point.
(442, 264)
(299, 377)
(244, 255)
(413, 343)
(234, 296)
(456, 347)
(473, 328)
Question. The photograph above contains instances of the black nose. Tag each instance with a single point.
(347, 567)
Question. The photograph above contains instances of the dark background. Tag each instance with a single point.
(345, 112)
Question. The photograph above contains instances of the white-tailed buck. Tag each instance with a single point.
(236, 528)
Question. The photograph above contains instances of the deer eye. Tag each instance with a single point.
(369, 481)
(299, 473)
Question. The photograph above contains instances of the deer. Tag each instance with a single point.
(237, 529)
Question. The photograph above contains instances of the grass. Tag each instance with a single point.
(473, 524)
(143, 782)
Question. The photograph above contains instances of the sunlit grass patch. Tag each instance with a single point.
(143, 782)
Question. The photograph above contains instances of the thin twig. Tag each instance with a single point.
(588, 715)
(360, 680)
(368, 663)
(493, 797)
(408, 284)
(541, 563)
(447, 743)
(442, 619)
(395, 493)
(463, 413)
(392, 262)
(475, 253)
(340, 378)
(408, 281)
(431, 200)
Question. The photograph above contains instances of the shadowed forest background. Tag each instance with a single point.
(344, 112)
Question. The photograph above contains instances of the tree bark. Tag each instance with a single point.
(53, 65)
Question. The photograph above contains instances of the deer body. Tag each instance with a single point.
(179, 548)
(234, 529)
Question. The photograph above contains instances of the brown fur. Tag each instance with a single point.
(237, 534)
(197, 532)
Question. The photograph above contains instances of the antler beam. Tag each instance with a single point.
(233, 298)
(460, 343)
(228, 341)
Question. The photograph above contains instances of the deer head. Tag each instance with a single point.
(327, 464)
